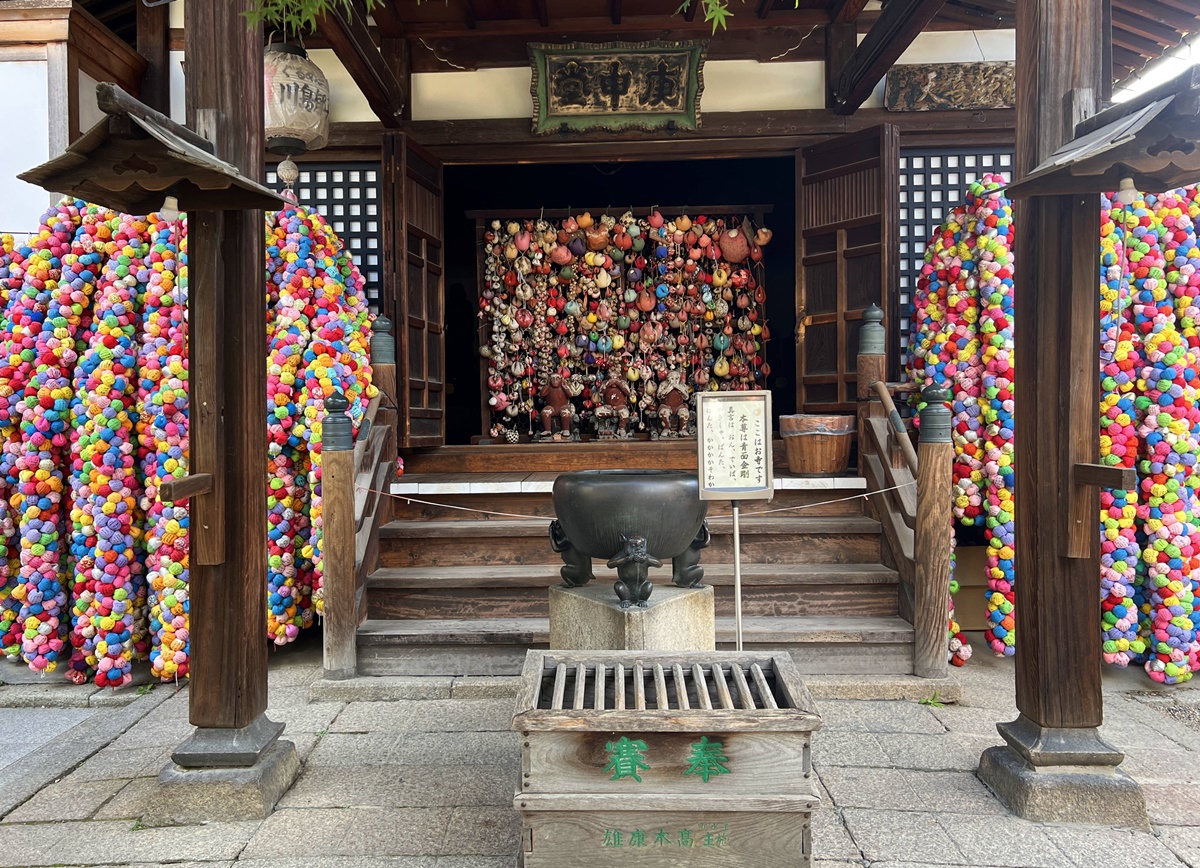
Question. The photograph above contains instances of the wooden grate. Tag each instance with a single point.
(603, 686)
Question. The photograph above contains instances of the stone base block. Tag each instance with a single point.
(223, 794)
(1099, 795)
(591, 618)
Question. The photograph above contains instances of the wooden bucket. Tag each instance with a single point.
(817, 445)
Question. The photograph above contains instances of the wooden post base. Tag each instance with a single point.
(221, 747)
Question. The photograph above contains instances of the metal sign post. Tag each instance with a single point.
(734, 440)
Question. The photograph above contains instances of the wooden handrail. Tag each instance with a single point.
(898, 436)
(913, 504)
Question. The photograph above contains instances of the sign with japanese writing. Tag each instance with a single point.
(734, 437)
(617, 85)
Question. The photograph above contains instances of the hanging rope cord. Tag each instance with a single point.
(411, 500)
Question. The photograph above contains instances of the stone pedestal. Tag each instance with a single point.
(1066, 775)
(224, 774)
(228, 794)
(591, 618)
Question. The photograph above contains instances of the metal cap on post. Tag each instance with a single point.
(383, 345)
(872, 337)
(337, 433)
(935, 415)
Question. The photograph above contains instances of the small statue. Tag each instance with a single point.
(614, 403)
(685, 568)
(673, 397)
(576, 570)
(632, 564)
(558, 403)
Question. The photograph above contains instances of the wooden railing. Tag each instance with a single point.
(355, 475)
(914, 493)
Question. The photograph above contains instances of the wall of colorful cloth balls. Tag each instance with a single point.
(94, 418)
(607, 325)
(1149, 369)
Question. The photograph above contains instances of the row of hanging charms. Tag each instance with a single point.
(624, 318)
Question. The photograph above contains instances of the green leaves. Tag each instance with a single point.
(715, 11)
(297, 16)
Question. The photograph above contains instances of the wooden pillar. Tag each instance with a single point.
(931, 536)
(872, 368)
(337, 492)
(228, 436)
(154, 44)
(1058, 685)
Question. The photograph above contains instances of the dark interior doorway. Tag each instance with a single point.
(620, 186)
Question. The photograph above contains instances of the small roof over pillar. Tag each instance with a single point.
(135, 157)
(1151, 141)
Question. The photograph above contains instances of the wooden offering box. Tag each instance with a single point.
(657, 760)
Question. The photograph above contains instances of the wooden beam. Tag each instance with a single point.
(352, 42)
(469, 16)
(689, 14)
(397, 54)
(846, 10)
(480, 50)
(840, 42)
(615, 12)
(1147, 48)
(387, 18)
(508, 140)
(154, 44)
(542, 12)
(1124, 57)
(1164, 34)
(600, 24)
(1151, 10)
(764, 8)
(899, 24)
(175, 490)
(1105, 476)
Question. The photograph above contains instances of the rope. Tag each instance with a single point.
(410, 500)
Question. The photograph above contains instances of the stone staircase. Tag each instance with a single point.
(460, 592)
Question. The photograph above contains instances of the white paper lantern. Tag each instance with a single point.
(296, 101)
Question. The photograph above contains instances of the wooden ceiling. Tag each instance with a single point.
(483, 33)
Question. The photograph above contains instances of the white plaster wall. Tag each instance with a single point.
(178, 109)
(346, 102)
(729, 85)
(21, 204)
(89, 111)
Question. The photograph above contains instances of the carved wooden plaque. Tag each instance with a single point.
(946, 86)
(617, 86)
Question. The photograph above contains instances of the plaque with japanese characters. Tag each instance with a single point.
(617, 86)
(734, 438)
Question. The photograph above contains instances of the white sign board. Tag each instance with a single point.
(734, 436)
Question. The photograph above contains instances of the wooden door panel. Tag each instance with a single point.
(847, 206)
(413, 291)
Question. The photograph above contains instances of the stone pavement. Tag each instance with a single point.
(420, 773)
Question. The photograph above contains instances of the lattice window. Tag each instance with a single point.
(347, 194)
(932, 182)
